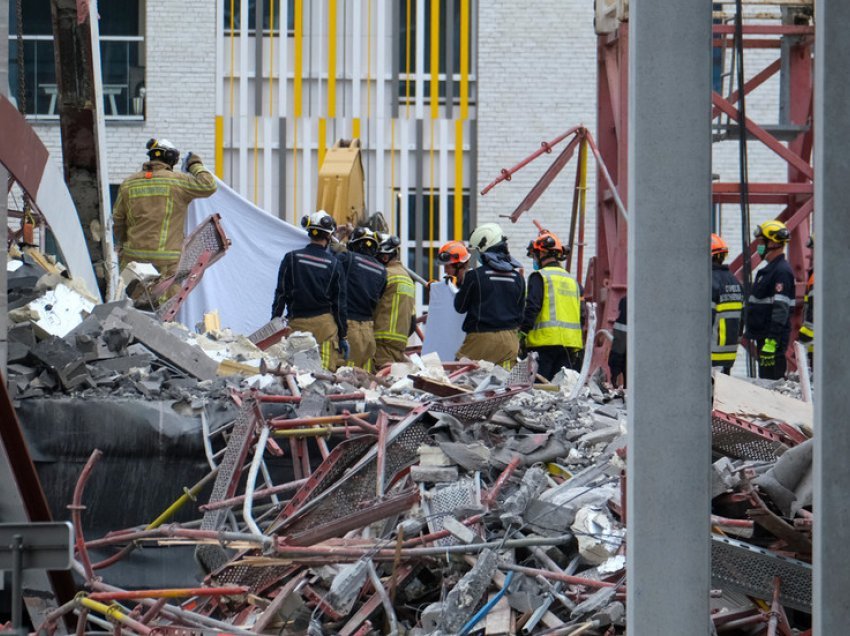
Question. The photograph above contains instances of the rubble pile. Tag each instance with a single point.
(430, 498)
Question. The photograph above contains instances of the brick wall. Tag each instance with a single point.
(180, 83)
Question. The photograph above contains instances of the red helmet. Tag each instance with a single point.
(547, 243)
(718, 245)
(453, 252)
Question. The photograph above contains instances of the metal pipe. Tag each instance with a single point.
(489, 605)
(381, 454)
(113, 613)
(490, 498)
(182, 500)
(607, 176)
(173, 531)
(296, 399)
(76, 508)
(258, 494)
(385, 599)
(127, 595)
(555, 576)
(248, 502)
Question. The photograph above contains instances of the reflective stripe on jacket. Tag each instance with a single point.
(149, 214)
(726, 307)
(559, 320)
(807, 330)
(770, 302)
(396, 307)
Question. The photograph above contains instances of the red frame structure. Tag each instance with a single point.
(607, 270)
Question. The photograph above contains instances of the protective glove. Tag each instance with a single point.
(767, 355)
(344, 348)
(188, 160)
(769, 346)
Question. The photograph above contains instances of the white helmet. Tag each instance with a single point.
(163, 150)
(318, 223)
(486, 237)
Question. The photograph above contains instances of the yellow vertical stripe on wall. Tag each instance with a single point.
(355, 128)
(458, 216)
(464, 59)
(323, 140)
(331, 60)
(219, 146)
(299, 56)
(435, 60)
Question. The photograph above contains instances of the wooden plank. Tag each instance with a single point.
(749, 401)
(500, 620)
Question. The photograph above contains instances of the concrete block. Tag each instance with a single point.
(433, 473)
(433, 456)
(57, 312)
(63, 360)
(463, 533)
(471, 457)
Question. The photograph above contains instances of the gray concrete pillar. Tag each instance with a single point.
(4, 215)
(832, 311)
(669, 316)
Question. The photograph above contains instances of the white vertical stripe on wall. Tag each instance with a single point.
(268, 202)
(219, 57)
(404, 184)
(356, 48)
(283, 59)
(420, 59)
(243, 100)
(306, 129)
(380, 106)
(446, 216)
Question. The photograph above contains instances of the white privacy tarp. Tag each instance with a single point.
(443, 330)
(241, 285)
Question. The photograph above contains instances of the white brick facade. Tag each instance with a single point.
(180, 83)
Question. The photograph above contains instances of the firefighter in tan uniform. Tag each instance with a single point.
(397, 308)
(493, 298)
(150, 212)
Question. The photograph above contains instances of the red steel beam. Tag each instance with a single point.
(765, 29)
(752, 84)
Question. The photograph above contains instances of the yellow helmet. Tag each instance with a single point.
(774, 231)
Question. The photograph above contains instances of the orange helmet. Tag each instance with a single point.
(548, 243)
(718, 245)
(453, 252)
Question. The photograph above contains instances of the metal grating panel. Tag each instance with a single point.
(255, 577)
(741, 567)
(207, 237)
(740, 439)
(472, 407)
(442, 501)
(524, 371)
(346, 495)
(212, 556)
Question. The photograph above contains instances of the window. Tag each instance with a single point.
(406, 63)
(234, 8)
(430, 249)
(121, 51)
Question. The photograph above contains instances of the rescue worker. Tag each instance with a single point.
(551, 324)
(150, 211)
(771, 300)
(807, 329)
(365, 281)
(493, 297)
(727, 304)
(396, 311)
(617, 354)
(454, 257)
(311, 290)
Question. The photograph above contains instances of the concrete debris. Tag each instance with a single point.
(428, 498)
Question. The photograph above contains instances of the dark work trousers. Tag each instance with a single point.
(551, 359)
(771, 367)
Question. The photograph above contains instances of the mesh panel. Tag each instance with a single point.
(445, 500)
(207, 237)
(743, 440)
(255, 577)
(741, 567)
(346, 496)
(212, 556)
(523, 372)
(476, 406)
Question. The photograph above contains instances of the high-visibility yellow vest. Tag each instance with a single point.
(559, 320)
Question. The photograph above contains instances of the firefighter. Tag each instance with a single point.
(396, 311)
(365, 281)
(771, 300)
(617, 354)
(807, 329)
(454, 257)
(311, 289)
(551, 324)
(150, 211)
(727, 304)
(493, 297)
